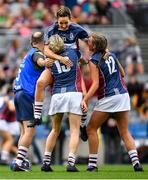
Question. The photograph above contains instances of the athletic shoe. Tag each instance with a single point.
(83, 133)
(138, 167)
(70, 168)
(46, 167)
(92, 169)
(15, 167)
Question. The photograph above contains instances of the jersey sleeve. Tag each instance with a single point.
(114, 56)
(36, 56)
(49, 33)
(94, 61)
(83, 34)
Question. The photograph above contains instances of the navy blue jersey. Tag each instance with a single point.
(67, 79)
(28, 74)
(70, 36)
(110, 79)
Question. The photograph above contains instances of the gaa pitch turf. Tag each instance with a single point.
(104, 172)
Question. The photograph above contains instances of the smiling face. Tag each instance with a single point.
(63, 23)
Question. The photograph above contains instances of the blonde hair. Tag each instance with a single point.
(56, 43)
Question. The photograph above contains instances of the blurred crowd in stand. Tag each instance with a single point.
(22, 17)
(24, 14)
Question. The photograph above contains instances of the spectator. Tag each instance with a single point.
(140, 101)
(104, 9)
(70, 3)
(76, 12)
(134, 63)
(89, 7)
(133, 86)
(8, 127)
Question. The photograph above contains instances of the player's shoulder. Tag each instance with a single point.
(52, 27)
(67, 51)
(95, 57)
(111, 53)
(75, 26)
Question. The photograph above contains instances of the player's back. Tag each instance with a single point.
(67, 79)
(110, 79)
(27, 74)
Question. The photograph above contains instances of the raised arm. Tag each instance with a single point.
(94, 73)
(52, 55)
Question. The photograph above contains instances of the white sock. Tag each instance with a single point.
(4, 155)
(22, 153)
(47, 158)
(93, 160)
(38, 106)
(133, 156)
(71, 159)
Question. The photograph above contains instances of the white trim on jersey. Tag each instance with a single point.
(72, 45)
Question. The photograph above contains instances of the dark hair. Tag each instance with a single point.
(100, 42)
(37, 37)
(64, 12)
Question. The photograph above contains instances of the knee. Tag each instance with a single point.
(56, 132)
(91, 130)
(8, 137)
(30, 132)
(75, 133)
(40, 84)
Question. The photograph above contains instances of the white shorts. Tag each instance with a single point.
(116, 103)
(66, 102)
(4, 125)
(12, 127)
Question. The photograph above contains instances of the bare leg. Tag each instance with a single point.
(26, 138)
(122, 124)
(6, 146)
(140, 68)
(130, 69)
(22, 133)
(8, 140)
(74, 122)
(43, 81)
(51, 139)
(24, 142)
(95, 122)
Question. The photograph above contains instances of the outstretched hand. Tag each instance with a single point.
(48, 62)
(65, 60)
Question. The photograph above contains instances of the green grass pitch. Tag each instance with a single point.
(105, 172)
